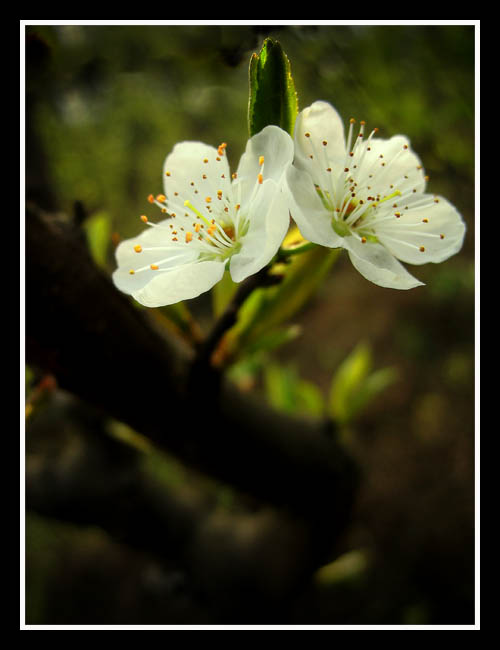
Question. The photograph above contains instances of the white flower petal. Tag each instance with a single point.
(163, 254)
(376, 264)
(272, 147)
(347, 194)
(194, 171)
(430, 231)
(308, 211)
(268, 223)
(392, 165)
(322, 123)
(181, 283)
(157, 237)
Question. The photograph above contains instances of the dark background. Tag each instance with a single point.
(106, 105)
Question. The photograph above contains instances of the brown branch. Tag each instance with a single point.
(101, 347)
(247, 562)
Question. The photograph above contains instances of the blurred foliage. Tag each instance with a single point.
(347, 568)
(109, 103)
(98, 231)
(287, 392)
(354, 384)
(262, 316)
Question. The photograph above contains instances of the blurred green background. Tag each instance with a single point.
(108, 105)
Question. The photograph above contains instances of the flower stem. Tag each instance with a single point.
(284, 253)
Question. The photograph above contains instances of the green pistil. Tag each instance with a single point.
(341, 228)
(189, 205)
(386, 198)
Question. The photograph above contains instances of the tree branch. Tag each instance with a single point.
(247, 562)
(101, 347)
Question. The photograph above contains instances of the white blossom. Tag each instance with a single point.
(368, 196)
(214, 220)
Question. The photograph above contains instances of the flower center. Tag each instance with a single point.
(219, 220)
(353, 189)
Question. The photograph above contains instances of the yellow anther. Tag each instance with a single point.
(237, 206)
(189, 237)
(154, 267)
(208, 199)
(151, 198)
(422, 249)
(441, 236)
(221, 147)
(352, 120)
(138, 248)
(131, 271)
(144, 218)
(161, 198)
(260, 178)
(363, 240)
(205, 160)
(167, 173)
(219, 194)
(197, 227)
(261, 160)
(425, 220)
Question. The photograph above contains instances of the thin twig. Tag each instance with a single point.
(259, 280)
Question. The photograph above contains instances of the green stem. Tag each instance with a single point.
(296, 250)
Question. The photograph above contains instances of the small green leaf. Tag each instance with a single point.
(348, 567)
(267, 309)
(347, 380)
(272, 340)
(273, 98)
(354, 385)
(98, 231)
(372, 386)
(287, 392)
